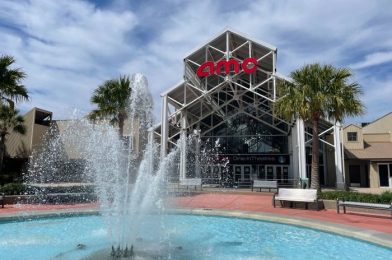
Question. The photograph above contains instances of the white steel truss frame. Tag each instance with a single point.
(206, 94)
(202, 93)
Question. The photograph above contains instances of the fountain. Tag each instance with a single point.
(127, 180)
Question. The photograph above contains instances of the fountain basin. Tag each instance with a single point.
(180, 237)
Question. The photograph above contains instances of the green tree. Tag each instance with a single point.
(319, 92)
(10, 121)
(11, 89)
(112, 99)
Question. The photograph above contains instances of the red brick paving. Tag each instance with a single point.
(263, 203)
(257, 202)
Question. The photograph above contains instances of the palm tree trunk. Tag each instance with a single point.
(315, 181)
(2, 151)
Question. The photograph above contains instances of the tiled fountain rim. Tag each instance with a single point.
(38, 214)
(371, 236)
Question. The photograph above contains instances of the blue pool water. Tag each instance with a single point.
(182, 237)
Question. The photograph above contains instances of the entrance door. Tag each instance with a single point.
(247, 170)
(242, 173)
(383, 171)
(278, 170)
(285, 174)
(270, 172)
(282, 174)
(275, 172)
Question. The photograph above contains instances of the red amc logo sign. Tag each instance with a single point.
(249, 65)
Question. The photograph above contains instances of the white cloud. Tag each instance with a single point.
(303, 31)
(373, 59)
(66, 48)
(69, 47)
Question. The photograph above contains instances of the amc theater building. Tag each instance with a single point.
(226, 98)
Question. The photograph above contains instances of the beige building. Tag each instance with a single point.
(19, 147)
(69, 162)
(368, 153)
(37, 122)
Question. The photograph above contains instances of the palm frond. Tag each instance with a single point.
(319, 91)
(10, 120)
(111, 99)
(21, 129)
(11, 88)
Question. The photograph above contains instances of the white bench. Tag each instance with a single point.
(354, 204)
(264, 184)
(192, 182)
(296, 195)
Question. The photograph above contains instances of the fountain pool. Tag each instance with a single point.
(183, 237)
(131, 184)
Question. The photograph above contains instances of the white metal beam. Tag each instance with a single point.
(183, 148)
(301, 147)
(340, 184)
(164, 127)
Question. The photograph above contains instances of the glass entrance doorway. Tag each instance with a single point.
(274, 172)
(242, 173)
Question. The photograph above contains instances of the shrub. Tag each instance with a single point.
(385, 197)
(60, 189)
(13, 189)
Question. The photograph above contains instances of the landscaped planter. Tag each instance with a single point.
(329, 204)
(51, 198)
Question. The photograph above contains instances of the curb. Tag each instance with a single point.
(370, 236)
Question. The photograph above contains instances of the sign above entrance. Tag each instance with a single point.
(249, 66)
(259, 159)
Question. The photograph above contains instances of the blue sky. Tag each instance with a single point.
(69, 47)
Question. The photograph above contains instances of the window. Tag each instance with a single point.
(384, 175)
(352, 136)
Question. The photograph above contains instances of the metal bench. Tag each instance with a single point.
(296, 195)
(264, 184)
(193, 182)
(2, 197)
(364, 205)
(243, 184)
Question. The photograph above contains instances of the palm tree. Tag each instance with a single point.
(319, 92)
(10, 88)
(10, 121)
(112, 99)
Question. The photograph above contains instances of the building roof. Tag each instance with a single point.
(372, 151)
(217, 38)
(381, 117)
(357, 126)
(382, 125)
(367, 125)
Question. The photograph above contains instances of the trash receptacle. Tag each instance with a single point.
(304, 183)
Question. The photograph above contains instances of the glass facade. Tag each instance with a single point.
(247, 136)
(241, 150)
